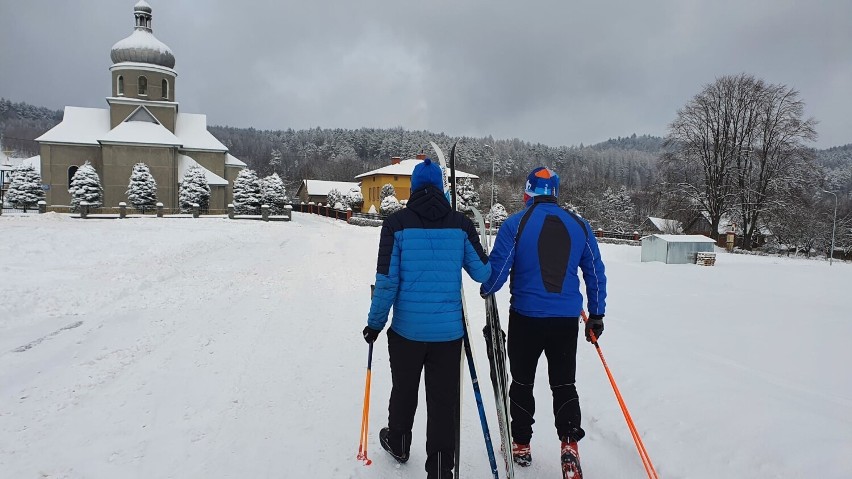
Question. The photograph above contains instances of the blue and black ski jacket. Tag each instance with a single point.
(543, 260)
(422, 251)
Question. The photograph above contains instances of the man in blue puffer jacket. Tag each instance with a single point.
(422, 250)
(543, 246)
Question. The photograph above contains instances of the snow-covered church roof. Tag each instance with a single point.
(185, 163)
(142, 46)
(90, 126)
(406, 168)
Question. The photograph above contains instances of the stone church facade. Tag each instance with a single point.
(142, 124)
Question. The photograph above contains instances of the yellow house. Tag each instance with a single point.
(398, 174)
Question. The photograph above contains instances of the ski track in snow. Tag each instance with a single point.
(213, 348)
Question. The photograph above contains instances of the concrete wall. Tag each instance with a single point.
(231, 173)
(118, 112)
(371, 188)
(55, 162)
(118, 161)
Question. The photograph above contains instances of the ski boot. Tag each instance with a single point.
(404, 442)
(571, 461)
(521, 454)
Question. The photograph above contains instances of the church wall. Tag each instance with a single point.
(212, 160)
(118, 112)
(55, 162)
(131, 84)
(118, 161)
(217, 199)
(231, 173)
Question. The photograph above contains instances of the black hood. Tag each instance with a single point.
(429, 203)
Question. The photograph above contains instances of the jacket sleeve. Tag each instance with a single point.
(593, 274)
(475, 259)
(387, 278)
(502, 256)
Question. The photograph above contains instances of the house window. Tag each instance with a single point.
(120, 86)
(395, 178)
(71, 171)
(143, 86)
(165, 89)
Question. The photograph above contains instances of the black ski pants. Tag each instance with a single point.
(441, 362)
(557, 339)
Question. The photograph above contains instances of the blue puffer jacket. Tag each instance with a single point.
(422, 251)
(544, 262)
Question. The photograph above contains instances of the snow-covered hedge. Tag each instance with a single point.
(360, 221)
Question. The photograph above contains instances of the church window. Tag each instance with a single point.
(165, 89)
(120, 85)
(143, 86)
(71, 171)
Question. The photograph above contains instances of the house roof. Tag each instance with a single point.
(406, 168)
(683, 238)
(664, 224)
(231, 160)
(322, 187)
(185, 162)
(83, 126)
(191, 128)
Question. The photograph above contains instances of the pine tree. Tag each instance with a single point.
(86, 186)
(273, 193)
(355, 199)
(335, 199)
(247, 193)
(194, 189)
(467, 195)
(497, 215)
(387, 190)
(25, 188)
(390, 205)
(142, 190)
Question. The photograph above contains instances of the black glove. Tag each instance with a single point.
(501, 336)
(370, 334)
(595, 325)
(482, 294)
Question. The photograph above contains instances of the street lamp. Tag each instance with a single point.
(833, 228)
(491, 211)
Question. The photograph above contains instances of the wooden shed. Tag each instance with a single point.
(675, 249)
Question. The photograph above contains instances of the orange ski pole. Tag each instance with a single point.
(365, 415)
(640, 446)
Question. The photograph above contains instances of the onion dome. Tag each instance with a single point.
(142, 46)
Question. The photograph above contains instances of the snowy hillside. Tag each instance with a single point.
(209, 348)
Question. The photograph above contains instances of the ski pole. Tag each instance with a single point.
(474, 379)
(640, 446)
(365, 415)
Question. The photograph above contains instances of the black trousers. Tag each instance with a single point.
(557, 339)
(441, 363)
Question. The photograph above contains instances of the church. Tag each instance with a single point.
(142, 124)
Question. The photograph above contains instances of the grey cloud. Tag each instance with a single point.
(555, 72)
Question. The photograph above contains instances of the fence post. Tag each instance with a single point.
(635, 236)
(159, 210)
(42, 207)
(84, 209)
(264, 212)
(288, 212)
(122, 210)
(230, 211)
(196, 210)
(599, 233)
(348, 214)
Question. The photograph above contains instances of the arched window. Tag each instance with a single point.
(71, 171)
(120, 86)
(165, 89)
(143, 86)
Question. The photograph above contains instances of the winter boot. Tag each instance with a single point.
(398, 447)
(571, 461)
(521, 454)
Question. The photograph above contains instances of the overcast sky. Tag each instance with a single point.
(557, 72)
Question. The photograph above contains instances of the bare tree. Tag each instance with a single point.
(736, 148)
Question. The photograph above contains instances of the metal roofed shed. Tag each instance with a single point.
(675, 249)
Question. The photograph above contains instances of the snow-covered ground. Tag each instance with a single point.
(212, 348)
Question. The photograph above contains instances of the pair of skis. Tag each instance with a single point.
(496, 353)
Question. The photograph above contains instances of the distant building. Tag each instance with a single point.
(675, 249)
(141, 125)
(653, 225)
(398, 174)
(317, 190)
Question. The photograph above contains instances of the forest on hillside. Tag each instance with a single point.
(616, 184)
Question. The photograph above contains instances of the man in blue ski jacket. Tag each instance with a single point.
(542, 248)
(422, 250)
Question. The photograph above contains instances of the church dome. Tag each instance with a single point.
(142, 46)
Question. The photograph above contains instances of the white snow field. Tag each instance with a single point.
(213, 348)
